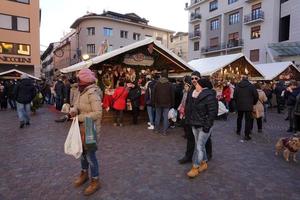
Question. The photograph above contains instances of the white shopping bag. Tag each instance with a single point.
(73, 143)
(65, 108)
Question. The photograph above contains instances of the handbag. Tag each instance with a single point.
(255, 111)
(90, 131)
(73, 143)
(128, 105)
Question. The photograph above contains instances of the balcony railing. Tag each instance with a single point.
(193, 4)
(254, 17)
(225, 46)
(250, 1)
(195, 35)
(195, 17)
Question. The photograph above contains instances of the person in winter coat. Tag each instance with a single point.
(149, 102)
(119, 103)
(201, 111)
(259, 107)
(74, 92)
(134, 97)
(59, 89)
(297, 114)
(291, 93)
(163, 99)
(3, 96)
(88, 104)
(24, 93)
(10, 94)
(226, 95)
(279, 97)
(246, 97)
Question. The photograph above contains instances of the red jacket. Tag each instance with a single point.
(226, 94)
(119, 98)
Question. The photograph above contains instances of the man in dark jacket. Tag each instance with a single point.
(291, 94)
(246, 96)
(24, 94)
(279, 97)
(60, 94)
(163, 100)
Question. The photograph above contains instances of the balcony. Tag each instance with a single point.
(225, 46)
(193, 4)
(250, 1)
(254, 17)
(196, 35)
(195, 17)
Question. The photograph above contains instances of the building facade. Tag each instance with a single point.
(179, 45)
(20, 36)
(94, 34)
(219, 27)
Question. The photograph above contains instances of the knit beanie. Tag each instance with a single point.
(87, 76)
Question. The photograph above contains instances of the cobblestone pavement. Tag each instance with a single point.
(138, 164)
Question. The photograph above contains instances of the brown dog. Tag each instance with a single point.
(290, 146)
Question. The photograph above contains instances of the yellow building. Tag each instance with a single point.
(20, 36)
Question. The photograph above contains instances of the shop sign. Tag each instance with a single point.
(138, 59)
(15, 59)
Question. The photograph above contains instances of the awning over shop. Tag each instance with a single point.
(147, 52)
(279, 71)
(15, 74)
(285, 48)
(236, 63)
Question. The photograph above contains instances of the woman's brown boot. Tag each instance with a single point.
(93, 187)
(84, 176)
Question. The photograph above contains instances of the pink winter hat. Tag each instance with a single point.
(87, 76)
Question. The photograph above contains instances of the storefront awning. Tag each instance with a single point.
(15, 74)
(286, 48)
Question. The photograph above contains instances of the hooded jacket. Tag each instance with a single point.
(163, 94)
(202, 111)
(245, 96)
(24, 91)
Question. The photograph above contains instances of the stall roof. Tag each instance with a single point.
(99, 59)
(272, 70)
(208, 66)
(19, 72)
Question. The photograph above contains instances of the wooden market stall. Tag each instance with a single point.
(15, 74)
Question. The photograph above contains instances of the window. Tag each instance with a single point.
(5, 21)
(90, 48)
(22, 24)
(213, 5)
(284, 28)
(124, 34)
(214, 24)
(197, 30)
(91, 30)
(107, 31)
(234, 18)
(14, 23)
(255, 32)
(14, 49)
(254, 55)
(214, 42)
(282, 1)
(231, 1)
(136, 36)
(22, 1)
(196, 46)
(233, 36)
(256, 11)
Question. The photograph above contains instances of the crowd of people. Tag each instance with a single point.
(192, 103)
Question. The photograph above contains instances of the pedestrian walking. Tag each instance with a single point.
(202, 109)
(134, 98)
(24, 94)
(88, 105)
(246, 97)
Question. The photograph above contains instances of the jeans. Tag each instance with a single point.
(23, 110)
(12, 104)
(248, 124)
(200, 141)
(151, 113)
(164, 112)
(259, 123)
(88, 158)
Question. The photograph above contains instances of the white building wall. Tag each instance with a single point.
(292, 8)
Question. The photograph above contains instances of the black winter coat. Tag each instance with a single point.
(202, 111)
(245, 96)
(163, 94)
(24, 91)
(134, 95)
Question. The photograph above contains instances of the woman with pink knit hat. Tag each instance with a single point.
(88, 105)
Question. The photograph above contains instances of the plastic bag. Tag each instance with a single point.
(65, 108)
(73, 143)
(172, 114)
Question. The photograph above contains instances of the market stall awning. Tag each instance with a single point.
(208, 66)
(272, 71)
(159, 52)
(15, 74)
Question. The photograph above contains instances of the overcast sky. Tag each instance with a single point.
(58, 15)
